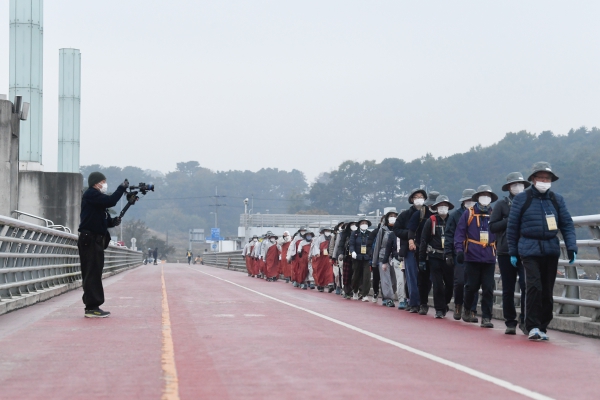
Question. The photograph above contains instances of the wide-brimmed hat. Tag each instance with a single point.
(542, 166)
(415, 191)
(514, 177)
(431, 197)
(392, 211)
(254, 237)
(308, 233)
(273, 236)
(341, 223)
(348, 223)
(443, 199)
(467, 195)
(325, 228)
(364, 219)
(485, 189)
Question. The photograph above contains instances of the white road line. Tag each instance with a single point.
(470, 371)
(224, 315)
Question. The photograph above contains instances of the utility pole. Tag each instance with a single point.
(217, 205)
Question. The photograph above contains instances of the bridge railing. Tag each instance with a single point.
(34, 258)
(228, 260)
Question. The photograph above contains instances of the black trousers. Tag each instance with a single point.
(376, 280)
(361, 277)
(480, 275)
(442, 277)
(540, 275)
(423, 282)
(460, 277)
(509, 276)
(91, 255)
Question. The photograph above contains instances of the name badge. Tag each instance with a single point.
(443, 241)
(325, 252)
(551, 221)
(484, 237)
(363, 249)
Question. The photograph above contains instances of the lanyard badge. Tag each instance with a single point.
(551, 221)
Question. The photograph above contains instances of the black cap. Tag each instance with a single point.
(95, 177)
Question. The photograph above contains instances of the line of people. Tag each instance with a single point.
(435, 245)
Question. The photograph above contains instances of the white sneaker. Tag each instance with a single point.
(374, 299)
(355, 296)
(366, 298)
(544, 336)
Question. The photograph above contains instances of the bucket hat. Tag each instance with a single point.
(325, 228)
(431, 197)
(415, 191)
(467, 195)
(392, 211)
(443, 199)
(485, 189)
(542, 166)
(514, 177)
(364, 219)
(273, 236)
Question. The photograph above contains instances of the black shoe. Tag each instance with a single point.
(523, 329)
(457, 311)
(423, 310)
(97, 313)
(413, 310)
(320, 288)
(330, 289)
(439, 314)
(510, 330)
(486, 323)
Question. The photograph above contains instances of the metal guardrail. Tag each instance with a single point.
(34, 258)
(49, 224)
(229, 260)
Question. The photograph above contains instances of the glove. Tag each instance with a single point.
(125, 184)
(279, 258)
(117, 221)
(460, 257)
(449, 261)
(422, 266)
(384, 267)
(513, 261)
(354, 255)
(572, 256)
(340, 258)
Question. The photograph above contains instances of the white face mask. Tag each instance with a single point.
(517, 188)
(469, 204)
(418, 202)
(442, 210)
(392, 220)
(363, 227)
(485, 200)
(104, 188)
(340, 230)
(286, 238)
(327, 234)
(543, 187)
(255, 240)
(353, 228)
(302, 233)
(273, 240)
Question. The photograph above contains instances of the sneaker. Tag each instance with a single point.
(338, 291)
(402, 305)
(287, 280)
(320, 288)
(469, 316)
(312, 286)
(330, 289)
(366, 298)
(96, 313)
(523, 329)
(510, 330)
(347, 296)
(544, 336)
(439, 314)
(303, 287)
(486, 323)
(295, 284)
(535, 334)
(424, 309)
(374, 298)
(390, 304)
(355, 296)
(413, 310)
(457, 311)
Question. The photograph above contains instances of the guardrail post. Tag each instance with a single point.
(571, 292)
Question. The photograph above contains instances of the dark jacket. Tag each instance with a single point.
(401, 229)
(391, 248)
(451, 223)
(475, 252)
(94, 215)
(433, 240)
(499, 222)
(415, 225)
(359, 239)
(529, 236)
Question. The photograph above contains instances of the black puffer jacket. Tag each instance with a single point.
(499, 223)
(451, 223)
(401, 229)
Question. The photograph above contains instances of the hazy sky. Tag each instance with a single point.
(309, 84)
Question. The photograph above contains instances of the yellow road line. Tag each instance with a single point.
(171, 388)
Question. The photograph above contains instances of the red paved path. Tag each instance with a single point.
(230, 342)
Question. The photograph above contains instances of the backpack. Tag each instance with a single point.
(530, 199)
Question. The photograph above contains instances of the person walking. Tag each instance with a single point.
(515, 184)
(360, 250)
(536, 216)
(387, 274)
(189, 256)
(321, 262)
(155, 254)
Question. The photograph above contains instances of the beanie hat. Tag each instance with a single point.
(95, 177)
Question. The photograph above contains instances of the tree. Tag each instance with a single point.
(135, 229)
(163, 250)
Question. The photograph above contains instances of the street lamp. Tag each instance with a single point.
(215, 214)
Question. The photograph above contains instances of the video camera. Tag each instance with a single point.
(132, 195)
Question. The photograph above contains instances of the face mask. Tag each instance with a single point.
(104, 188)
(543, 187)
(302, 233)
(469, 204)
(418, 202)
(364, 227)
(392, 220)
(273, 240)
(286, 238)
(485, 200)
(353, 228)
(327, 234)
(308, 238)
(517, 188)
(442, 210)
(340, 230)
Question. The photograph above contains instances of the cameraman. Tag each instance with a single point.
(94, 238)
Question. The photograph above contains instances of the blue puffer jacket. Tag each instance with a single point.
(529, 236)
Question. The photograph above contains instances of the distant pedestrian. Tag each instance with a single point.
(536, 216)
(189, 256)
(155, 254)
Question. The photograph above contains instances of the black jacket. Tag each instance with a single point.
(451, 223)
(94, 215)
(391, 248)
(358, 239)
(415, 225)
(499, 223)
(401, 229)
(435, 241)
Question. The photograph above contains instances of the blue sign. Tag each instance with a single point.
(215, 234)
(214, 246)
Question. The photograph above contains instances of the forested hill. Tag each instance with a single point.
(363, 187)
(184, 198)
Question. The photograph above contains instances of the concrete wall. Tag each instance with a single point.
(52, 195)
(9, 158)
